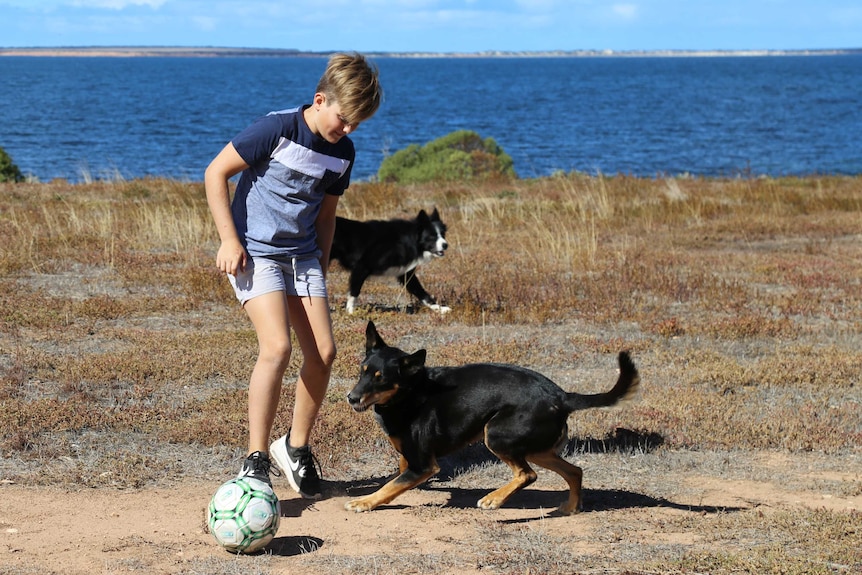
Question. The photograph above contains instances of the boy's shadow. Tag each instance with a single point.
(292, 545)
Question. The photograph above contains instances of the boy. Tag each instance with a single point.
(276, 236)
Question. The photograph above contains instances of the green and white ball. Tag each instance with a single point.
(243, 515)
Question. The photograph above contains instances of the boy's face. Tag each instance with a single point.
(327, 120)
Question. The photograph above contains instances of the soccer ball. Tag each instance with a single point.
(243, 515)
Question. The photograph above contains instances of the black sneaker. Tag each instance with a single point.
(257, 466)
(299, 466)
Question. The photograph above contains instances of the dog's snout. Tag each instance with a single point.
(353, 399)
(357, 402)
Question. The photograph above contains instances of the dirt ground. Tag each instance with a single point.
(162, 530)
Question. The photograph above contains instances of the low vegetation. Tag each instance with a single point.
(740, 299)
(9, 172)
(457, 157)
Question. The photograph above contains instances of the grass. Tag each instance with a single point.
(739, 298)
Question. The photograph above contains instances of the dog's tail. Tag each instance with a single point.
(626, 385)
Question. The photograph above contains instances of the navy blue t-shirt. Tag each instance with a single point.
(278, 197)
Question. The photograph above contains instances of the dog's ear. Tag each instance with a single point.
(411, 364)
(422, 217)
(435, 215)
(372, 338)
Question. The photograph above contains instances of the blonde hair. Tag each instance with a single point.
(352, 82)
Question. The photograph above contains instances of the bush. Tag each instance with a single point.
(9, 172)
(461, 155)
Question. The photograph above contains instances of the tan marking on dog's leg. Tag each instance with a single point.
(396, 443)
(523, 476)
(571, 473)
(405, 481)
(402, 463)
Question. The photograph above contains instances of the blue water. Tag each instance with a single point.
(79, 118)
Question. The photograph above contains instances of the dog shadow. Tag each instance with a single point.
(595, 500)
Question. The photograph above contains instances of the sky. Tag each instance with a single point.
(436, 25)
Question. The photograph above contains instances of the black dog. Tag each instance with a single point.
(389, 248)
(428, 412)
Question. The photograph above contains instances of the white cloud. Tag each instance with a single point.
(398, 4)
(536, 5)
(116, 4)
(627, 11)
(205, 22)
(32, 5)
(38, 5)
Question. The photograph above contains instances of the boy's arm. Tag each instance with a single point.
(231, 256)
(325, 226)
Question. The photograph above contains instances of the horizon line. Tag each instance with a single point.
(215, 51)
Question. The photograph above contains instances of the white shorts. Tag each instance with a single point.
(297, 277)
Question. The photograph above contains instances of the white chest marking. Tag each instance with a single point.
(401, 270)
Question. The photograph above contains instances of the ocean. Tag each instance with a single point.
(85, 118)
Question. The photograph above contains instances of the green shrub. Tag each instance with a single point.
(461, 155)
(9, 172)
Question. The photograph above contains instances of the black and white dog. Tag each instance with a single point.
(389, 248)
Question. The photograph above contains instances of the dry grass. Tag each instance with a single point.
(739, 298)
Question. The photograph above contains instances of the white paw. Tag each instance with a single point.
(440, 308)
(488, 503)
(351, 302)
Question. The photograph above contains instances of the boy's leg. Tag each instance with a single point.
(313, 327)
(269, 315)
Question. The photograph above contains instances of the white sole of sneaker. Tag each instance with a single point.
(278, 454)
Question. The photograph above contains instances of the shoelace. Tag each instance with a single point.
(307, 460)
(265, 465)
(271, 469)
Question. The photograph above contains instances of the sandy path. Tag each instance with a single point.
(163, 530)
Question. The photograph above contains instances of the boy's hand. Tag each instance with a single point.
(231, 257)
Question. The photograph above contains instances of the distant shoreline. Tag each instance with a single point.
(214, 52)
